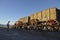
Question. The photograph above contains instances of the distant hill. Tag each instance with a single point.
(2, 25)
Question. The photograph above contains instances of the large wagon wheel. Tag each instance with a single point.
(18, 24)
(34, 23)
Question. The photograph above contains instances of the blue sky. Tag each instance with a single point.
(13, 10)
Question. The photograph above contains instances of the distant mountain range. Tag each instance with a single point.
(2, 25)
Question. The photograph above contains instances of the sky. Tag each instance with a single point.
(13, 10)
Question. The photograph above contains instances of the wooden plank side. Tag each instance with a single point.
(21, 19)
(43, 15)
(31, 16)
(26, 19)
(35, 16)
(39, 16)
(47, 14)
(53, 13)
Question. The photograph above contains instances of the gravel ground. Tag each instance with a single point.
(27, 35)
